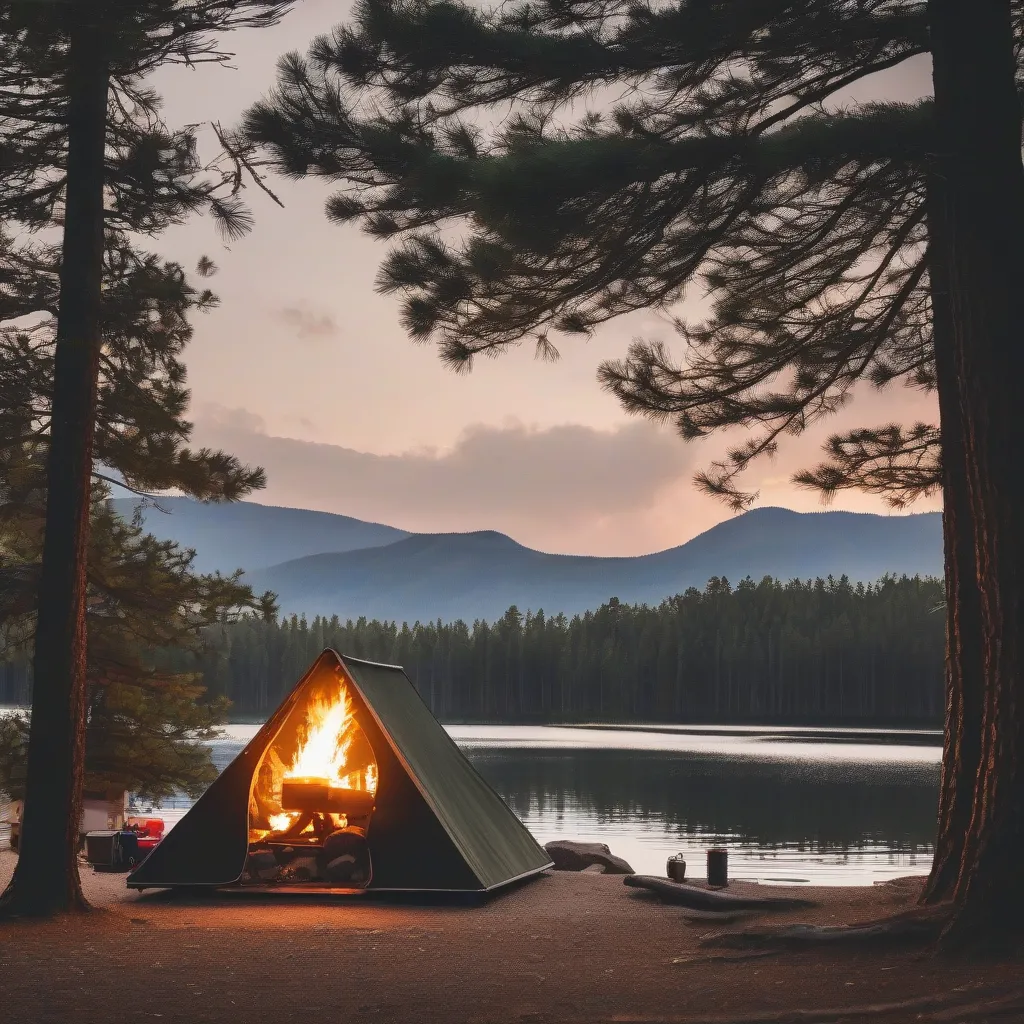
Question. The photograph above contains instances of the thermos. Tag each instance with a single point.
(718, 868)
(676, 868)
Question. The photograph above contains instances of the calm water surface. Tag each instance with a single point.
(837, 807)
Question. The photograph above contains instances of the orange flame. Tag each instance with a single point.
(323, 752)
(328, 737)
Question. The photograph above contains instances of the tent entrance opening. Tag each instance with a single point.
(313, 796)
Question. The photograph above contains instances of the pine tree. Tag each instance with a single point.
(145, 723)
(829, 240)
(148, 719)
(980, 207)
(886, 636)
(83, 148)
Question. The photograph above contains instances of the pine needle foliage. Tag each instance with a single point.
(143, 399)
(823, 651)
(544, 167)
(83, 151)
(154, 175)
(147, 722)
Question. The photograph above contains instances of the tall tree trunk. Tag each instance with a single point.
(979, 159)
(46, 877)
(964, 641)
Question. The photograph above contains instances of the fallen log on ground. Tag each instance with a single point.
(709, 899)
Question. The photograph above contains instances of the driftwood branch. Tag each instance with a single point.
(708, 899)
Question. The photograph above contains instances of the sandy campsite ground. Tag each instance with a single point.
(566, 948)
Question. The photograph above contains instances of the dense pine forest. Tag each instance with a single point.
(826, 651)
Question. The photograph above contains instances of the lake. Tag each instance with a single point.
(794, 806)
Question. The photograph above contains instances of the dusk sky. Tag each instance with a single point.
(306, 370)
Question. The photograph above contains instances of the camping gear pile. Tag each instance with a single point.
(112, 849)
(351, 785)
(121, 849)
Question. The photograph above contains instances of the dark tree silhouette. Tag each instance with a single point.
(814, 652)
(981, 210)
(145, 725)
(817, 232)
(83, 148)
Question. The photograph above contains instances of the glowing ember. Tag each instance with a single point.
(280, 822)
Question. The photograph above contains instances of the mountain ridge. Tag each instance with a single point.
(282, 533)
(337, 565)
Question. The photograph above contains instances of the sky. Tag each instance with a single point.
(305, 370)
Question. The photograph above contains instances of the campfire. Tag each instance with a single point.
(312, 797)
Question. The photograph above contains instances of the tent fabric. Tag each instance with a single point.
(437, 826)
(487, 834)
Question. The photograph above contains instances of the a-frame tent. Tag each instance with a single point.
(437, 825)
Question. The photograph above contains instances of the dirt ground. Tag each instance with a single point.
(566, 948)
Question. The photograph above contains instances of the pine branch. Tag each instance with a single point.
(720, 165)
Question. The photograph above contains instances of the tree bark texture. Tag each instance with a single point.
(979, 161)
(46, 879)
(964, 644)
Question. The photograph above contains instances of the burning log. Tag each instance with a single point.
(318, 795)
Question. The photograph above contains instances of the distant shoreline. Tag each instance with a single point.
(922, 736)
(881, 733)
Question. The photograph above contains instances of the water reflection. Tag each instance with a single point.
(649, 804)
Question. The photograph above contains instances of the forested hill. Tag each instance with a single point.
(824, 652)
(321, 564)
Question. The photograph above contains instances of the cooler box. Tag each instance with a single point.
(112, 850)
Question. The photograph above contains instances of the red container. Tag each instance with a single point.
(150, 828)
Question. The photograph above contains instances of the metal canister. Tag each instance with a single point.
(675, 868)
(718, 868)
